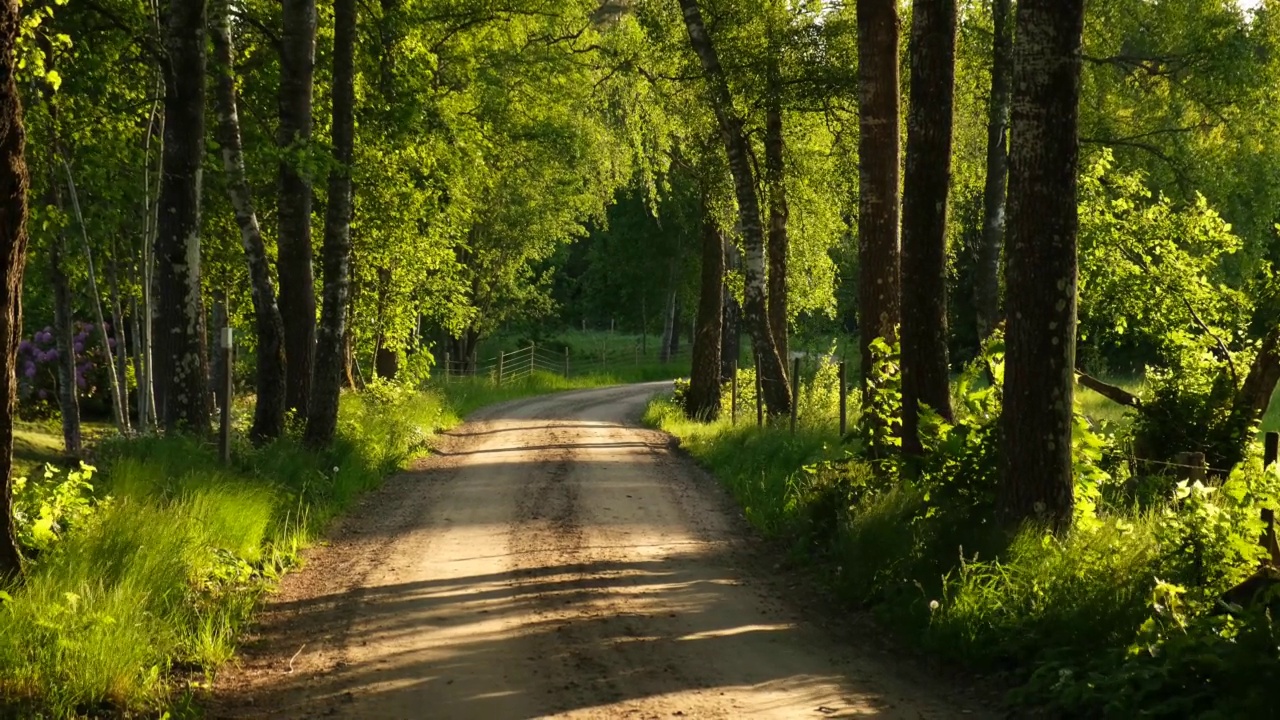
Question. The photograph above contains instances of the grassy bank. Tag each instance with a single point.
(1119, 618)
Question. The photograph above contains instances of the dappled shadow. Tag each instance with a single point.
(543, 640)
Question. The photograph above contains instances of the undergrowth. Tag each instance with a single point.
(1121, 617)
(142, 574)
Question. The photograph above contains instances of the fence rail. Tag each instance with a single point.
(516, 365)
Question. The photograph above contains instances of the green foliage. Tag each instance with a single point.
(881, 423)
(46, 511)
(128, 596)
(1119, 617)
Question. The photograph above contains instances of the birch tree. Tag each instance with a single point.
(773, 379)
(269, 407)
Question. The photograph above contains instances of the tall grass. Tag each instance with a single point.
(158, 583)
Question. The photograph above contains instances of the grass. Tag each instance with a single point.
(1076, 623)
(155, 585)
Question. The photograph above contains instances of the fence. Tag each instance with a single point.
(508, 367)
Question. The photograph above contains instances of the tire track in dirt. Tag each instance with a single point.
(554, 559)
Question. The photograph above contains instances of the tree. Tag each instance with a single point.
(878, 161)
(986, 285)
(703, 399)
(775, 182)
(1040, 274)
(13, 255)
(180, 343)
(773, 378)
(322, 416)
(297, 291)
(925, 370)
(68, 401)
(269, 406)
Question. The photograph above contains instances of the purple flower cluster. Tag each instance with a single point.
(38, 358)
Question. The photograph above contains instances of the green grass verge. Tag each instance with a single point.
(1113, 620)
(144, 595)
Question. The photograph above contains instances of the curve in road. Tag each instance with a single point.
(555, 559)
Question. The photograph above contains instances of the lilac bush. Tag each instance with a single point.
(38, 368)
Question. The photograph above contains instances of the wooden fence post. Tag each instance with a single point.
(501, 357)
(733, 394)
(759, 401)
(1191, 466)
(795, 393)
(224, 434)
(844, 399)
(566, 362)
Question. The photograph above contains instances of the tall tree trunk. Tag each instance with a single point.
(773, 378)
(703, 399)
(68, 397)
(68, 401)
(668, 315)
(386, 363)
(297, 290)
(878, 161)
(730, 334)
(925, 367)
(268, 324)
(322, 418)
(1040, 272)
(181, 353)
(13, 255)
(677, 309)
(120, 359)
(349, 346)
(119, 407)
(986, 286)
(146, 380)
(775, 181)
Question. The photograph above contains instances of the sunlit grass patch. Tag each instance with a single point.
(157, 583)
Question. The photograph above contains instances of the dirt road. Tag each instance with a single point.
(555, 559)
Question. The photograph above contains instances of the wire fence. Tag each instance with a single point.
(517, 365)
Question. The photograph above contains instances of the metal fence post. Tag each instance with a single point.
(733, 393)
(844, 399)
(224, 434)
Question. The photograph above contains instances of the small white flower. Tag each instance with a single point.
(933, 605)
